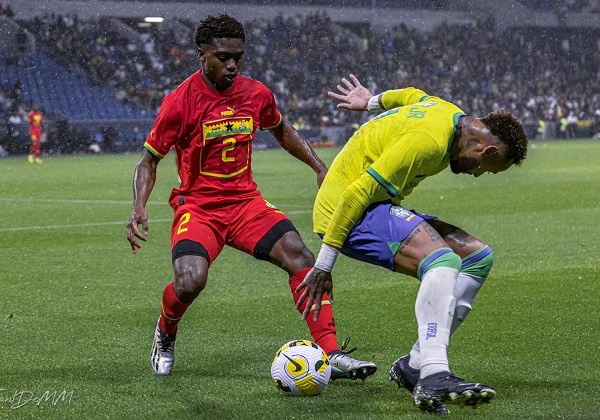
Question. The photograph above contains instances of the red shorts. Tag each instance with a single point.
(35, 134)
(241, 224)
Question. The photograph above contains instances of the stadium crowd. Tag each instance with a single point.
(564, 6)
(540, 74)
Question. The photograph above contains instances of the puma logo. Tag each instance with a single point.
(230, 111)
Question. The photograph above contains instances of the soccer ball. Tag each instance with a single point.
(300, 367)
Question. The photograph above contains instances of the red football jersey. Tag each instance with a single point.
(35, 124)
(212, 134)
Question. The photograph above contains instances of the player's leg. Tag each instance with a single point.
(477, 261)
(438, 271)
(35, 148)
(424, 255)
(382, 231)
(291, 254)
(395, 238)
(191, 256)
(266, 233)
(190, 264)
(37, 151)
(31, 157)
(400, 240)
(190, 278)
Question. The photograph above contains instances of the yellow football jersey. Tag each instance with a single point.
(385, 159)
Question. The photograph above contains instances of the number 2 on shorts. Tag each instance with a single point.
(185, 218)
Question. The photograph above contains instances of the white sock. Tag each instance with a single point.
(467, 287)
(434, 309)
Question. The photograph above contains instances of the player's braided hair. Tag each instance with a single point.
(509, 130)
(220, 26)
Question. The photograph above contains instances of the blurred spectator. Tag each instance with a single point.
(562, 128)
(16, 93)
(6, 10)
(58, 136)
(16, 129)
(110, 135)
(35, 119)
(572, 125)
(21, 40)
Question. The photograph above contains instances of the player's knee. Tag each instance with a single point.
(479, 264)
(191, 273)
(190, 263)
(189, 282)
(442, 257)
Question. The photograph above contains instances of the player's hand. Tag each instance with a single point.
(315, 284)
(354, 96)
(138, 216)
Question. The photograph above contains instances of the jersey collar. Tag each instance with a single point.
(456, 120)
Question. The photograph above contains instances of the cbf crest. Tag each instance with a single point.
(401, 212)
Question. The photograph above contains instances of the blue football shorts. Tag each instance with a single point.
(378, 234)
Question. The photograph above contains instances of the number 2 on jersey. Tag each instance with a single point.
(224, 157)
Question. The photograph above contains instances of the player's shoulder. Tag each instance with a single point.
(251, 84)
(426, 98)
(179, 96)
(185, 86)
(444, 104)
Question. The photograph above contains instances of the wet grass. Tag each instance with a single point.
(77, 309)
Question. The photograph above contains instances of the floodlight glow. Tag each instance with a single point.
(153, 19)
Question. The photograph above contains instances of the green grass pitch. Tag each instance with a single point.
(77, 309)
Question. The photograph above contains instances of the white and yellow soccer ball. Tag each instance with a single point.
(300, 367)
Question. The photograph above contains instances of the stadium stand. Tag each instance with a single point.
(62, 92)
(578, 6)
(109, 74)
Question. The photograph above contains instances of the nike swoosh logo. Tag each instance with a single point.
(296, 364)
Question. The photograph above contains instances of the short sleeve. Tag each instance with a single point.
(166, 129)
(270, 117)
